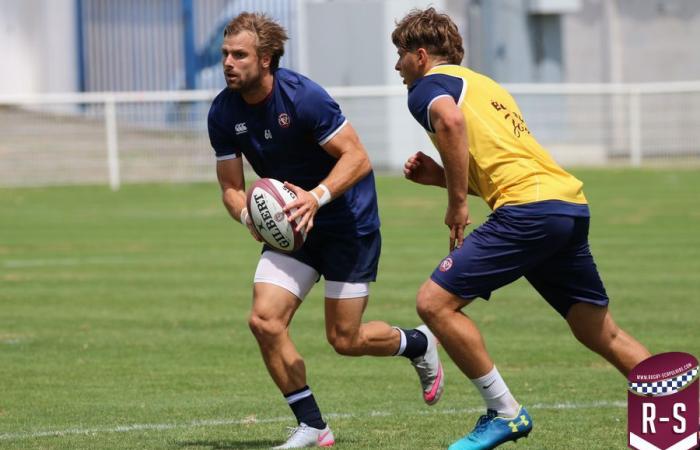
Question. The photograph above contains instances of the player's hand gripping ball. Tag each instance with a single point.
(265, 201)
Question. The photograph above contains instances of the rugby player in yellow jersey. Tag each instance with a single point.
(538, 228)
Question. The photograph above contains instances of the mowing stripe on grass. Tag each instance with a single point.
(64, 262)
(253, 420)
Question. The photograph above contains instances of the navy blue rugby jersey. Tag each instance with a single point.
(281, 138)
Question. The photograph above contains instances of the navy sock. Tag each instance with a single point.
(304, 407)
(416, 343)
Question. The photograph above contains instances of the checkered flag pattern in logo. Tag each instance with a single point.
(664, 387)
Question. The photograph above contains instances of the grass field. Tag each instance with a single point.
(123, 322)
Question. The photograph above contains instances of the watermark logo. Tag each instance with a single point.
(663, 402)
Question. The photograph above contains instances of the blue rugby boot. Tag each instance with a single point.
(491, 431)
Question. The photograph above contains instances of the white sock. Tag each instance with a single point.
(496, 394)
(402, 345)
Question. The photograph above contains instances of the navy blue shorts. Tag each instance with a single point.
(342, 258)
(550, 251)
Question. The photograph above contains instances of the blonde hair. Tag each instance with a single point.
(434, 32)
(270, 36)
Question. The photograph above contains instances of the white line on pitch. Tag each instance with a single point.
(254, 420)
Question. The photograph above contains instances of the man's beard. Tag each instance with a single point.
(249, 85)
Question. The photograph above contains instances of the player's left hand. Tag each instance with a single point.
(306, 207)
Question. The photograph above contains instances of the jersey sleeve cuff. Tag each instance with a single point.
(227, 157)
(332, 134)
(427, 111)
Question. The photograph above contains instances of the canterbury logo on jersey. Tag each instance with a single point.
(241, 128)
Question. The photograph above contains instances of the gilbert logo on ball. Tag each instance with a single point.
(663, 401)
(265, 201)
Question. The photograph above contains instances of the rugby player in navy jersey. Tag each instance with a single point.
(538, 228)
(290, 129)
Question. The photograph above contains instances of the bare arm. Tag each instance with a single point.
(353, 163)
(452, 144)
(232, 181)
(352, 166)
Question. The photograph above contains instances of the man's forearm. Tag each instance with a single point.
(456, 164)
(347, 172)
(234, 201)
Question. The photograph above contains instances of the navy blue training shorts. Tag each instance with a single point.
(341, 257)
(550, 251)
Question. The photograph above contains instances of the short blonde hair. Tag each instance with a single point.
(428, 29)
(269, 34)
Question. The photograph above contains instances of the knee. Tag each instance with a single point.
(342, 345)
(265, 328)
(426, 308)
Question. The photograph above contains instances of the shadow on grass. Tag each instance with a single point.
(229, 444)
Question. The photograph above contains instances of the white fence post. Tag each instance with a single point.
(112, 143)
(635, 130)
(172, 148)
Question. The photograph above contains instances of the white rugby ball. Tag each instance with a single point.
(265, 200)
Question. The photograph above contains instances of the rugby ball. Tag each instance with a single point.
(265, 200)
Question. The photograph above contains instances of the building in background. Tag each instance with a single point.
(599, 41)
(128, 45)
(38, 43)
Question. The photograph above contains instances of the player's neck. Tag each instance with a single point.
(260, 92)
(430, 64)
(434, 62)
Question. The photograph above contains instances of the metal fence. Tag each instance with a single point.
(132, 45)
(126, 137)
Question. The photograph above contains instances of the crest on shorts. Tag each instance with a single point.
(662, 403)
(284, 120)
(446, 264)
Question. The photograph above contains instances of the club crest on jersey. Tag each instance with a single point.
(284, 120)
(241, 128)
(446, 264)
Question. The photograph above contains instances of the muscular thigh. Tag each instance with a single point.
(285, 272)
(280, 284)
(344, 316)
(272, 303)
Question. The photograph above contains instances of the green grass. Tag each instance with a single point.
(129, 309)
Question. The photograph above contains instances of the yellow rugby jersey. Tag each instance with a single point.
(507, 166)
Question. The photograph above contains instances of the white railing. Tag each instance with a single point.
(120, 137)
